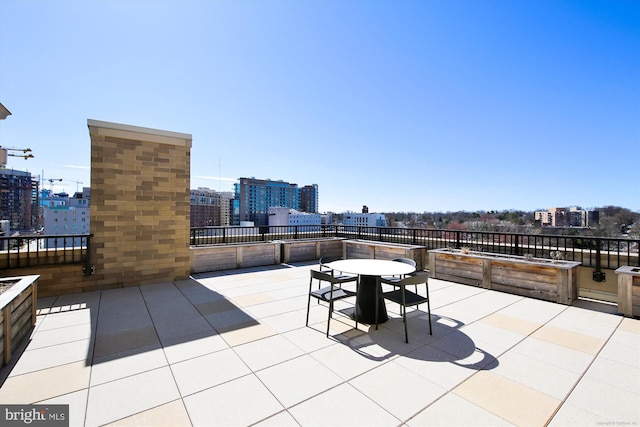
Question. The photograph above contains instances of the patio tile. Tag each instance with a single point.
(168, 415)
(533, 310)
(172, 329)
(435, 365)
(508, 399)
(511, 323)
(267, 309)
(77, 402)
(554, 354)
(49, 337)
(137, 393)
(199, 294)
(630, 325)
(65, 319)
(573, 416)
(298, 379)
(539, 375)
(342, 406)
(586, 322)
(285, 322)
(609, 402)
(228, 319)
(494, 340)
(454, 411)
(187, 352)
(110, 368)
(251, 299)
(267, 352)
(125, 341)
(203, 372)
(623, 347)
(574, 340)
(242, 334)
(185, 348)
(400, 391)
(224, 406)
(45, 384)
(308, 339)
(616, 374)
(56, 355)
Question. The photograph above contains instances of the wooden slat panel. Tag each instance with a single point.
(547, 296)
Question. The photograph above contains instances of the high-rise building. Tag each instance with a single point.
(210, 207)
(309, 198)
(254, 197)
(19, 197)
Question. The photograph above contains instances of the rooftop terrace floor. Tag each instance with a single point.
(231, 348)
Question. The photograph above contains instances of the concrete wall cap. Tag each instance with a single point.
(135, 132)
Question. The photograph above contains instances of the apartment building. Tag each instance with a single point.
(309, 198)
(210, 207)
(254, 197)
(567, 217)
(66, 216)
(19, 199)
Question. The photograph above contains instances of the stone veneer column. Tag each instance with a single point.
(139, 204)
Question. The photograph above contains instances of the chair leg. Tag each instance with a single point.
(429, 312)
(404, 319)
(309, 301)
(355, 308)
(377, 304)
(329, 318)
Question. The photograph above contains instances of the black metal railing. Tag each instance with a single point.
(40, 250)
(597, 252)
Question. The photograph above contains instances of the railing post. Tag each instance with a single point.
(516, 244)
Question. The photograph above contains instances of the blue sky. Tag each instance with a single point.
(435, 105)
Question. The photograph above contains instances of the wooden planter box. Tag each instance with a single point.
(310, 249)
(18, 307)
(629, 291)
(381, 250)
(230, 257)
(536, 277)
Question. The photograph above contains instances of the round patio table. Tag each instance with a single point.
(368, 271)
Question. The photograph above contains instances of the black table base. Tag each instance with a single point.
(366, 305)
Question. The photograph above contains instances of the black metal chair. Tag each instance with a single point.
(406, 298)
(338, 274)
(408, 261)
(328, 294)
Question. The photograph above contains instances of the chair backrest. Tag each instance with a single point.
(409, 261)
(417, 279)
(328, 259)
(321, 275)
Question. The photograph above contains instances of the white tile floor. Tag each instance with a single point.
(231, 349)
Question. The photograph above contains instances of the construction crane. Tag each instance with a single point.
(5, 152)
(77, 183)
(52, 180)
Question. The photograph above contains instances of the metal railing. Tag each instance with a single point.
(597, 252)
(41, 250)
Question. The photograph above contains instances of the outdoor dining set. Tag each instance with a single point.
(363, 280)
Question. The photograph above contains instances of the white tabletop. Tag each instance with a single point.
(371, 267)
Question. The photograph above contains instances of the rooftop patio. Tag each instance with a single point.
(231, 348)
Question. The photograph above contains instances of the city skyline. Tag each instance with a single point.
(400, 106)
